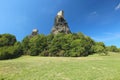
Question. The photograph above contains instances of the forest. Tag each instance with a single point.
(60, 45)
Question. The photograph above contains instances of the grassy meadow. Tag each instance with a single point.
(93, 67)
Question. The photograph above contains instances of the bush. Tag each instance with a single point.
(112, 48)
(7, 40)
(68, 45)
(9, 52)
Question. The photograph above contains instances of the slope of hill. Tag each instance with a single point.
(93, 67)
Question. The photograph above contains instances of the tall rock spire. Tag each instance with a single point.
(60, 24)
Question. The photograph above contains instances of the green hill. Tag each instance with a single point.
(93, 67)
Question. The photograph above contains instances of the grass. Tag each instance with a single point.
(93, 67)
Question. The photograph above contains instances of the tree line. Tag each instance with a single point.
(60, 45)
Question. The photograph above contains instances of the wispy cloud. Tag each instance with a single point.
(93, 13)
(92, 17)
(107, 37)
(117, 7)
(108, 33)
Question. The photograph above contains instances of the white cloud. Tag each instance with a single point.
(93, 13)
(117, 7)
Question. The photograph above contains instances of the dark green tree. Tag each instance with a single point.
(7, 40)
(37, 44)
(25, 45)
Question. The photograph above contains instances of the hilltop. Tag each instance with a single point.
(61, 42)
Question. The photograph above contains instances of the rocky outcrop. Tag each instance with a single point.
(60, 24)
(34, 33)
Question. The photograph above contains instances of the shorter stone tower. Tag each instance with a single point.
(34, 32)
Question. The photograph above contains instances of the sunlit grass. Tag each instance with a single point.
(94, 67)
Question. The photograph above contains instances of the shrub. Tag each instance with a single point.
(9, 52)
(7, 40)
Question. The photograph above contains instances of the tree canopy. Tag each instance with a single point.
(9, 47)
(65, 45)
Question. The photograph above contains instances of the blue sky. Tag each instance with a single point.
(99, 19)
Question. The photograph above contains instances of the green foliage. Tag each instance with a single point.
(77, 48)
(9, 52)
(7, 40)
(99, 47)
(66, 45)
(9, 47)
(37, 45)
(73, 45)
(112, 49)
(25, 45)
(119, 49)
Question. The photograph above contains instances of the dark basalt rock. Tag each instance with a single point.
(60, 24)
(34, 33)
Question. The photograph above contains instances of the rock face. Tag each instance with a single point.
(60, 24)
(34, 32)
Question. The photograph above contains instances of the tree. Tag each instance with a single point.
(7, 40)
(56, 45)
(9, 52)
(76, 44)
(37, 44)
(77, 49)
(100, 48)
(25, 45)
(112, 48)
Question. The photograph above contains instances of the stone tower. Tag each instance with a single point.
(34, 32)
(60, 24)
